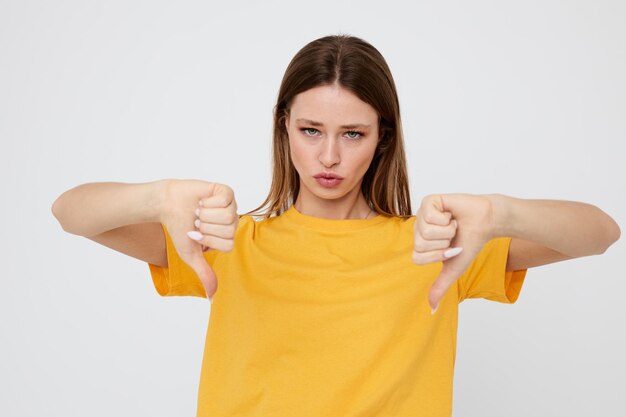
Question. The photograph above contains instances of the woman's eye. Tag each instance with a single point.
(307, 131)
(356, 134)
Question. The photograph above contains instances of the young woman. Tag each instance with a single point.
(337, 301)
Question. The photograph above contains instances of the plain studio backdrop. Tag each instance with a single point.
(526, 99)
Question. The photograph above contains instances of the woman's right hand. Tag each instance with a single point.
(209, 211)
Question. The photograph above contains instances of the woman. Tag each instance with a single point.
(326, 305)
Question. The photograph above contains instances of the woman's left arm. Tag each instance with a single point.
(546, 231)
(453, 228)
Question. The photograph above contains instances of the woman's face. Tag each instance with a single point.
(331, 131)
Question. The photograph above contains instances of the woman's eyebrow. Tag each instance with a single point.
(350, 126)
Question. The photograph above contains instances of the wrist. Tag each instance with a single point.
(155, 198)
(502, 215)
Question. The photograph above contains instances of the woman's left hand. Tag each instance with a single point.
(446, 221)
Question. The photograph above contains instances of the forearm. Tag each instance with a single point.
(92, 208)
(569, 227)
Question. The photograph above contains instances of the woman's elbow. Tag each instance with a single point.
(55, 209)
(612, 234)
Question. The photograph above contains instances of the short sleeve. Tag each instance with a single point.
(178, 278)
(487, 277)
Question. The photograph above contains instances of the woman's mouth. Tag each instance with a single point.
(328, 182)
(328, 179)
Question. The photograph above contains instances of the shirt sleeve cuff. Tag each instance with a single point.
(177, 278)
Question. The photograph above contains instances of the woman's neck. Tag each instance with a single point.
(351, 206)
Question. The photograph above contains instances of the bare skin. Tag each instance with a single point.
(331, 131)
(128, 218)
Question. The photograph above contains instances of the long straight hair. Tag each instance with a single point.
(357, 66)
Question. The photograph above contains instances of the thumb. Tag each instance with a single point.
(205, 273)
(453, 267)
(455, 264)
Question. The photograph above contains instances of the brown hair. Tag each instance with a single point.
(354, 64)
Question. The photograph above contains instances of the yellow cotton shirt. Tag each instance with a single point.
(324, 318)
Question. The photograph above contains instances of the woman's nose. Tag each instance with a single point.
(329, 154)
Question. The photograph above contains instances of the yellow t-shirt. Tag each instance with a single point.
(323, 318)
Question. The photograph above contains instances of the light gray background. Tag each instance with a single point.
(524, 98)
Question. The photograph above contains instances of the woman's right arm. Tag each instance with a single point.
(123, 217)
(127, 218)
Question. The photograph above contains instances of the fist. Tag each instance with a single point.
(216, 220)
(434, 231)
(200, 216)
(451, 228)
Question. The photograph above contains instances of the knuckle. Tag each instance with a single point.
(206, 241)
(230, 216)
(428, 217)
(229, 245)
(419, 246)
(417, 258)
(427, 232)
